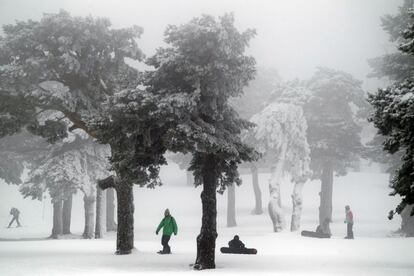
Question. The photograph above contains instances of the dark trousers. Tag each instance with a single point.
(15, 218)
(164, 241)
(349, 232)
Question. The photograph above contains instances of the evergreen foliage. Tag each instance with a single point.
(333, 112)
(394, 105)
(203, 66)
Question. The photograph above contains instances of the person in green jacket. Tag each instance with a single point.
(169, 226)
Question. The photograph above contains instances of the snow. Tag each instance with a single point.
(373, 252)
(407, 97)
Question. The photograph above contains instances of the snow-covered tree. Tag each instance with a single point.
(333, 115)
(256, 96)
(66, 64)
(397, 66)
(280, 136)
(393, 111)
(16, 152)
(135, 125)
(391, 162)
(63, 63)
(204, 63)
(67, 167)
(23, 150)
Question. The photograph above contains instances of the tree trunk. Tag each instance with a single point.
(110, 210)
(275, 203)
(231, 206)
(125, 234)
(100, 213)
(325, 208)
(258, 209)
(407, 221)
(57, 219)
(206, 240)
(297, 200)
(67, 214)
(190, 178)
(89, 206)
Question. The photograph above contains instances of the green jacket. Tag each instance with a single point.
(169, 226)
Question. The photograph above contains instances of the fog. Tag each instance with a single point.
(293, 36)
(310, 163)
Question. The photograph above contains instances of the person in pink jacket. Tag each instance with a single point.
(349, 220)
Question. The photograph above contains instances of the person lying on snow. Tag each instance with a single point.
(168, 226)
(236, 246)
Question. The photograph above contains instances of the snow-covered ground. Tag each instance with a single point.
(23, 251)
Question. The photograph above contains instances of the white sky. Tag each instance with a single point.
(294, 36)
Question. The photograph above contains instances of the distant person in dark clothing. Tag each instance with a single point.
(349, 220)
(236, 243)
(237, 247)
(15, 213)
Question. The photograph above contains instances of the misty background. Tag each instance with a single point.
(293, 37)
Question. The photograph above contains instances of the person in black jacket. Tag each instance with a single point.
(237, 247)
(236, 243)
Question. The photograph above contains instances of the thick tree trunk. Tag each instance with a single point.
(206, 240)
(407, 221)
(275, 203)
(110, 210)
(89, 206)
(297, 200)
(258, 209)
(325, 208)
(67, 214)
(57, 219)
(125, 234)
(231, 206)
(190, 178)
(100, 213)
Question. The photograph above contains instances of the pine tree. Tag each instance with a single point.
(135, 125)
(333, 115)
(65, 64)
(395, 102)
(63, 169)
(280, 136)
(257, 94)
(396, 65)
(18, 151)
(203, 66)
(62, 63)
(255, 97)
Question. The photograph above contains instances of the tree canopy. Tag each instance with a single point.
(394, 105)
(62, 63)
(204, 66)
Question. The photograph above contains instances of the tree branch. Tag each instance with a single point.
(77, 123)
(72, 116)
(109, 182)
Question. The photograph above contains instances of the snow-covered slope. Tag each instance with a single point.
(373, 252)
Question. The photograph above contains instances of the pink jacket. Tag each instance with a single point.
(349, 217)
